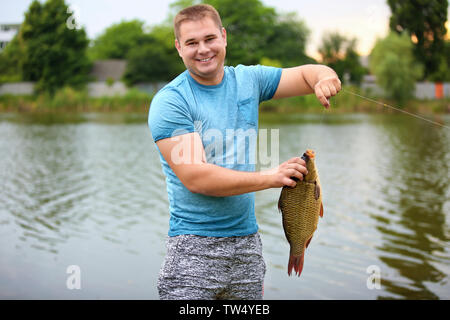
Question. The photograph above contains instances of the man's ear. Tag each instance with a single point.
(224, 35)
(177, 45)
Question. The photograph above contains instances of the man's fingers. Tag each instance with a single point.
(326, 91)
(297, 160)
(293, 168)
(299, 168)
(297, 174)
(333, 90)
(327, 88)
(337, 84)
(289, 182)
(321, 96)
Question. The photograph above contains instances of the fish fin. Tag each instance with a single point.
(279, 200)
(321, 210)
(307, 243)
(317, 191)
(296, 263)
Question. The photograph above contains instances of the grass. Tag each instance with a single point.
(70, 100)
(345, 102)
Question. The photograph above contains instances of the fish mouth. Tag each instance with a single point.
(309, 154)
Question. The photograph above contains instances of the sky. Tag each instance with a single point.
(364, 19)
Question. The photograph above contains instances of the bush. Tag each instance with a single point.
(392, 62)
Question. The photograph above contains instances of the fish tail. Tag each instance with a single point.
(296, 263)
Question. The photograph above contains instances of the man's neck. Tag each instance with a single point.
(217, 79)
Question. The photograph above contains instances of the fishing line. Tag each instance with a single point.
(322, 117)
(323, 113)
(398, 109)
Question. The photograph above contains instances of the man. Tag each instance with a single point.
(214, 250)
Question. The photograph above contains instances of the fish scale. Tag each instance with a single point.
(301, 207)
(303, 222)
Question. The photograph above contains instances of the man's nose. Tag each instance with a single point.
(202, 47)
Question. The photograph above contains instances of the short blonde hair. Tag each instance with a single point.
(194, 13)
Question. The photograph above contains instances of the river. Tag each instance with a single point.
(87, 190)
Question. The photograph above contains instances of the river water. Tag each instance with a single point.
(88, 190)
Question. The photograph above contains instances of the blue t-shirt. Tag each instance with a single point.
(226, 118)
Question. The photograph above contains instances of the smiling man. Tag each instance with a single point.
(213, 247)
(202, 47)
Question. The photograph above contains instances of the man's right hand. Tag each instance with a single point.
(281, 175)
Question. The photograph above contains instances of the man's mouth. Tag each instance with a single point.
(206, 59)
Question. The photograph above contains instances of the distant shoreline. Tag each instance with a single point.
(72, 101)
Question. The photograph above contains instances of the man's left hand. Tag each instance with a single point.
(326, 88)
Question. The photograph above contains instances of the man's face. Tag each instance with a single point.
(201, 45)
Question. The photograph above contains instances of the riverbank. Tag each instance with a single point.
(345, 102)
(70, 100)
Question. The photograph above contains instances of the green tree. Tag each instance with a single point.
(424, 21)
(256, 34)
(256, 31)
(333, 47)
(339, 53)
(117, 40)
(270, 62)
(54, 53)
(154, 59)
(177, 6)
(11, 61)
(165, 36)
(249, 25)
(287, 42)
(353, 65)
(443, 71)
(392, 62)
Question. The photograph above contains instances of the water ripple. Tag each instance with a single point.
(93, 192)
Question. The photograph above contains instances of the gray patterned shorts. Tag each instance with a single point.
(206, 268)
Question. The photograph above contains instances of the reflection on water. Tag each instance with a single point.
(88, 190)
(417, 244)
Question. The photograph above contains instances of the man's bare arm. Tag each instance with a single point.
(186, 157)
(307, 79)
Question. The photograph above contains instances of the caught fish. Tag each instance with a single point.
(301, 207)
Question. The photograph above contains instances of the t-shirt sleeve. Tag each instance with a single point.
(169, 116)
(268, 79)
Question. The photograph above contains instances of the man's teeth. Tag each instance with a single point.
(204, 60)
